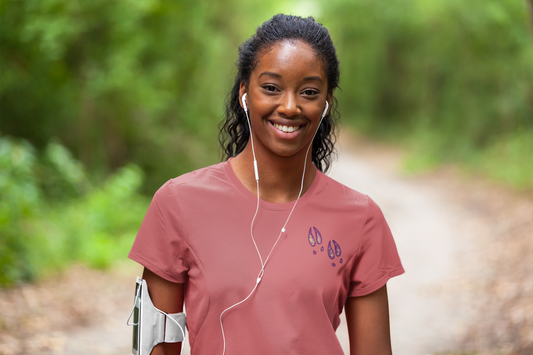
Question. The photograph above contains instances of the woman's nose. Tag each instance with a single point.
(289, 106)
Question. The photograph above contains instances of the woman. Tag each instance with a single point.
(266, 258)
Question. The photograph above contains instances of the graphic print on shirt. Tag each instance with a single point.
(333, 251)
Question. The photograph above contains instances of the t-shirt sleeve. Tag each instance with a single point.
(377, 258)
(159, 244)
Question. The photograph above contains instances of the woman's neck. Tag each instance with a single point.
(280, 178)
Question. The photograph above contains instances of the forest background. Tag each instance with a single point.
(102, 101)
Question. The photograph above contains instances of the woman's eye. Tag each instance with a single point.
(269, 88)
(310, 92)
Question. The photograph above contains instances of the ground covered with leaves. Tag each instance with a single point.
(48, 316)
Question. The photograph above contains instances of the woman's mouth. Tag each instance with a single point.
(286, 129)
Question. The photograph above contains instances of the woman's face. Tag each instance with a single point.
(286, 97)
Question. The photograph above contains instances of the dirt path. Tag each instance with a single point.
(425, 318)
(466, 245)
(447, 231)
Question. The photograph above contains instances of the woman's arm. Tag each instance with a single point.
(168, 297)
(368, 324)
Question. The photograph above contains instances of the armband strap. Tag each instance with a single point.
(173, 332)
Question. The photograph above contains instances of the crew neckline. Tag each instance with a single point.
(265, 204)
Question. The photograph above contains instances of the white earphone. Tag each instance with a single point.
(244, 102)
(325, 109)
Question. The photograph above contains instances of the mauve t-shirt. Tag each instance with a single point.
(337, 244)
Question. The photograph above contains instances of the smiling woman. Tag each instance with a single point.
(287, 92)
(264, 249)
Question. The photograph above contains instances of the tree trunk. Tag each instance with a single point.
(530, 6)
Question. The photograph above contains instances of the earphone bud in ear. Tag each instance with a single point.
(325, 110)
(244, 102)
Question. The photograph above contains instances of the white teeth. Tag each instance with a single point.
(286, 129)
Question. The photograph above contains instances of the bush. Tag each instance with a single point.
(20, 200)
(45, 232)
(449, 78)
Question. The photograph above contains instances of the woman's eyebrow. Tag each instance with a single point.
(311, 78)
(268, 73)
(276, 75)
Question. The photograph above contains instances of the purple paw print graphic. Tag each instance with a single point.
(315, 238)
(334, 251)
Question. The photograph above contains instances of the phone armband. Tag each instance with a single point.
(152, 326)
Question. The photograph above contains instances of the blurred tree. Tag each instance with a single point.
(143, 81)
(461, 70)
(530, 3)
(116, 82)
(119, 81)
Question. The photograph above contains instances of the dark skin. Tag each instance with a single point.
(288, 87)
(286, 97)
(368, 323)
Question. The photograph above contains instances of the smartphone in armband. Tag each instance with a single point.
(136, 319)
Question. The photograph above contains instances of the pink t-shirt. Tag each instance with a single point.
(197, 231)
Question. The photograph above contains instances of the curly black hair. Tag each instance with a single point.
(234, 132)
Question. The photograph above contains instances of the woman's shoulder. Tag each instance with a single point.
(338, 191)
(335, 193)
(200, 175)
(208, 176)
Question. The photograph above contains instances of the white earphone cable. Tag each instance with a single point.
(256, 181)
(263, 264)
(295, 202)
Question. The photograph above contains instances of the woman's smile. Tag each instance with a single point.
(286, 129)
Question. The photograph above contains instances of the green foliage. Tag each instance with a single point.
(117, 82)
(449, 77)
(19, 200)
(461, 67)
(509, 159)
(41, 234)
(138, 81)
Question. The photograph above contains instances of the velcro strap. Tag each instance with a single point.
(173, 332)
